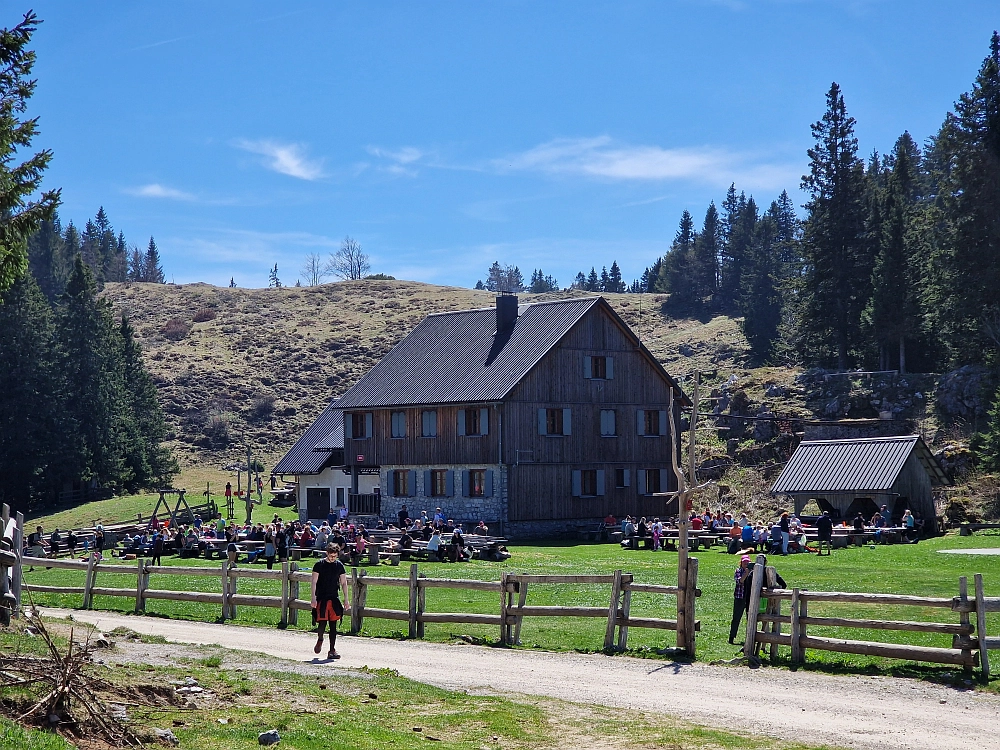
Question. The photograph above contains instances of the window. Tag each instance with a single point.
(598, 368)
(358, 426)
(473, 422)
(477, 483)
(652, 481)
(588, 482)
(401, 483)
(608, 426)
(429, 423)
(651, 422)
(621, 478)
(555, 421)
(439, 483)
(399, 424)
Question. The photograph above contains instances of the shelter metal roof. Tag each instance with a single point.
(305, 457)
(860, 465)
(457, 357)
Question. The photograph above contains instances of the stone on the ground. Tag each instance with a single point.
(167, 736)
(271, 737)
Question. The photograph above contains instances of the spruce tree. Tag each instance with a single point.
(676, 270)
(593, 281)
(20, 216)
(136, 265)
(760, 297)
(705, 256)
(273, 280)
(615, 283)
(152, 270)
(45, 258)
(838, 268)
(39, 447)
(605, 283)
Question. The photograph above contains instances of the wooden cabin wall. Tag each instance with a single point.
(544, 491)
(914, 484)
(558, 381)
(447, 448)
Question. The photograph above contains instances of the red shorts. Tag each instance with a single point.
(325, 611)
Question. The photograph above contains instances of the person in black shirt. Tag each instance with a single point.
(329, 579)
(824, 532)
(403, 516)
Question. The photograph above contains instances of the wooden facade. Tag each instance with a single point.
(537, 474)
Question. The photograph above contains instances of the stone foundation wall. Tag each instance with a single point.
(464, 510)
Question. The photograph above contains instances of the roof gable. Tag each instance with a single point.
(866, 465)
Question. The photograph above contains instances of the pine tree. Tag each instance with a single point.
(676, 275)
(580, 281)
(45, 258)
(705, 256)
(136, 265)
(232, 282)
(152, 269)
(273, 280)
(20, 216)
(615, 283)
(91, 360)
(38, 439)
(838, 270)
(149, 463)
(593, 281)
(760, 297)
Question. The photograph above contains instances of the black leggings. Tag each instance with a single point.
(333, 631)
(739, 609)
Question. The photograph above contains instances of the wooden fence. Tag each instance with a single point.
(512, 591)
(970, 644)
(11, 534)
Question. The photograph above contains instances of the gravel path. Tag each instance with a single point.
(846, 711)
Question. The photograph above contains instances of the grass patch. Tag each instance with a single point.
(15, 737)
(904, 569)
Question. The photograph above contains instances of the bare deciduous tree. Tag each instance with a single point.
(350, 262)
(313, 270)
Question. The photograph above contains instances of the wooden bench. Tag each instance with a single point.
(392, 557)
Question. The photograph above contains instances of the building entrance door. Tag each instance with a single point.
(317, 502)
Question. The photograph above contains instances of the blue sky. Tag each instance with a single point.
(446, 135)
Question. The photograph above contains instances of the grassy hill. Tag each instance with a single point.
(257, 365)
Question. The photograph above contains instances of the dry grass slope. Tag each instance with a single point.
(258, 365)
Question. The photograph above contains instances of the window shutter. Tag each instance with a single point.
(390, 483)
(542, 424)
(576, 483)
(663, 422)
(368, 424)
(625, 482)
(449, 484)
(484, 421)
(488, 489)
(640, 422)
(610, 365)
(588, 367)
(664, 487)
(567, 422)
(640, 476)
(411, 483)
(461, 421)
(348, 427)
(428, 485)
(600, 481)
(465, 484)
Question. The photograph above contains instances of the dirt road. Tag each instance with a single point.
(846, 711)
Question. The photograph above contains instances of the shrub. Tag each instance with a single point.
(203, 315)
(262, 408)
(176, 328)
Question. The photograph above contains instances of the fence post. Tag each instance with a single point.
(755, 582)
(141, 584)
(18, 575)
(88, 584)
(691, 595)
(284, 595)
(355, 602)
(234, 585)
(6, 605)
(503, 609)
(984, 658)
(362, 599)
(626, 607)
(293, 595)
(522, 598)
(773, 608)
(412, 630)
(225, 590)
(963, 617)
(421, 603)
(616, 592)
(796, 647)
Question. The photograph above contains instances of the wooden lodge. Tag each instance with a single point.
(533, 418)
(846, 477)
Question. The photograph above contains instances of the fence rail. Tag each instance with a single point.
(970, 644)
(512, 591)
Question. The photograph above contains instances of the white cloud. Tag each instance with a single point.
(155, 190)
(604, 158)
(401, 162)
(285, 158)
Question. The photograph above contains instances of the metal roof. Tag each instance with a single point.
(456, 357)
(861, 465)
(305, 457)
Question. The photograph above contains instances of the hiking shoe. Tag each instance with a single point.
(319, 645)
(333, 655)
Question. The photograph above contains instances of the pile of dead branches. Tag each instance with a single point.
(59, 690)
